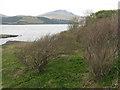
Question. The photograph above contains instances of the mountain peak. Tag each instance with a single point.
(63, 11)
(59, 14)
(60, 10)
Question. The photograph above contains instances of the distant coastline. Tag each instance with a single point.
(54, 17)
(11, 42)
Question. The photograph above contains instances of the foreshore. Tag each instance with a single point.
(11, 42)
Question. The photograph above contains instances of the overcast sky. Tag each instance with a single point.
(37, 7)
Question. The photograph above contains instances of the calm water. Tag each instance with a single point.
(30, 32)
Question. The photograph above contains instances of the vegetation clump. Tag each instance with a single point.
(37, 54)
(100, 41)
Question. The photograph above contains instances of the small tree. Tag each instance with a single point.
(74, 24)
(37, 54)
(87, 16)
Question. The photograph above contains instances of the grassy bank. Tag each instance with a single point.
(64, 72)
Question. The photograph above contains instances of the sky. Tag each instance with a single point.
(37, 7)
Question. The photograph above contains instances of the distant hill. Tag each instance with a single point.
(10, 20)
(59, 14)
(31, 20)
(54, 17)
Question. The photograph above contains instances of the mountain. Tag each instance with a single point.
(54, 17)
(59, 14)
(53, 21)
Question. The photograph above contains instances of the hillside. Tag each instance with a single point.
(66, 71)
(62, 72)
(31, 20)
(59, 14)
(83, 57)
(54, 17)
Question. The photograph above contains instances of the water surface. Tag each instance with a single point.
(30, 32)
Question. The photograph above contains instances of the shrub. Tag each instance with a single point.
(100, 44)
(37, 54)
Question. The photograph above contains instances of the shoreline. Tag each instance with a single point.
(11, 42)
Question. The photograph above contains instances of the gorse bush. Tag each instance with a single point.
(37, 54)
(100, 45)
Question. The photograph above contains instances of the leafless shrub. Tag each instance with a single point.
(100, 43)
(37, 54)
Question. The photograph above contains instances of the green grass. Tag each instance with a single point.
(63, 72)
(112, 77)
(60, 73)
(67, 72)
